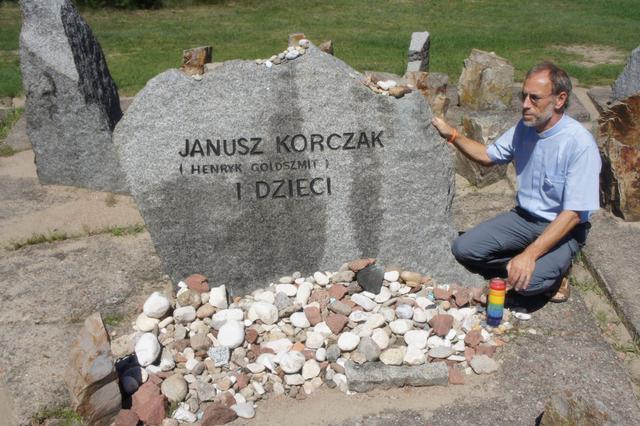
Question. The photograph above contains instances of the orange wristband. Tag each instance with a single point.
(453, 137)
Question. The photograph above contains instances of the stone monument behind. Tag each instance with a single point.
(72, 102)
(255, 170)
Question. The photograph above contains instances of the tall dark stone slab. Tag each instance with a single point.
(72, 102)
(318, 170)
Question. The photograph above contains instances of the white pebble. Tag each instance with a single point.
(375, 321)
(417, 338)
(265, 312)
(218, 297)
(291, 362)
(266, 296)
(348, 341)
(424, 302)
(288, 289)
(231, 334)
(323, 329)
(310, 369)
(320, 278)
(279, 345)
(144, 323)
(522, 316)
(303, 293)
(391, 276)
(366, 303)
(293, 379)
(268, 64)
(303, 42)
(386, 84)
(314, 340)
(147, 349)
(414, 356)
(419, 315)
(383, 296)
(220, 317)
(451, 334)
(299, 319)
(321, 354)
(244, 410)
(184, 415)
(358, 316)
(156, 305)
(381, 338)
(184, 315)
(401, 326)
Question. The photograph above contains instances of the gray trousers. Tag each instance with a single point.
(487, 248)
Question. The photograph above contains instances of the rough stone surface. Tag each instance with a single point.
(486, 82)
(484, 127)
(620, 150)
(362, 378)
(91, 376)
(72, 103)
(249, 242)
(419, 50)
(628, 82)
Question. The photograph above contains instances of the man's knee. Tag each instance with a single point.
(460, 249)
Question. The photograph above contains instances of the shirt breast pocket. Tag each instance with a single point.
(553, 188)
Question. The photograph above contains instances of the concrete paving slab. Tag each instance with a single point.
(29, 208)
(611, 254)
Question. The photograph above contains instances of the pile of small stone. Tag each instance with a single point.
(290, 54)
(387, 87)
(213, 360)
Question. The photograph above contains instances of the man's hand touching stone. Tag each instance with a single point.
(442, 127)
(520, 270)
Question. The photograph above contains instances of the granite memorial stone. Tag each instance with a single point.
(253, 171)
(72, 102)
(628, 82)
(486, 82)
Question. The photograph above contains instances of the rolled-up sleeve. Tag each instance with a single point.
(582, 187)
(501, 151)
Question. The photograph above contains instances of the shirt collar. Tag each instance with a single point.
(553, 130)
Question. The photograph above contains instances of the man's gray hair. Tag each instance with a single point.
(560, 81)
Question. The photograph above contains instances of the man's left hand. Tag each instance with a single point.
(520, 270)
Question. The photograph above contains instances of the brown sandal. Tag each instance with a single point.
(563, 292)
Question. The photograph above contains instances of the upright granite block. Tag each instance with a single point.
(418, 55)
(484, 127)
(91, 377)
(486, 82)
(256, 171)
(72, 102)
(628, 82)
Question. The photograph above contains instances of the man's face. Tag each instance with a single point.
(538, 101)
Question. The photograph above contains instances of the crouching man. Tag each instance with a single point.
(557, 166)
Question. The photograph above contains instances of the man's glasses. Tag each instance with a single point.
(532, 97)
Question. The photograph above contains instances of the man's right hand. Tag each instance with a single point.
(442, 127)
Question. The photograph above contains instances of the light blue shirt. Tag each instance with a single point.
(556, 170)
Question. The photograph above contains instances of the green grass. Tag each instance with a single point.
(113, 320)
(121, 231)
(41, 239)
(5, 125)
(369, 35)
(6, 151)
(65, 416)
(116, 231)
(586, 286)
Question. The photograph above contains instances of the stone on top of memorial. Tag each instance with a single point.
(252, 170)
(72, 102)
